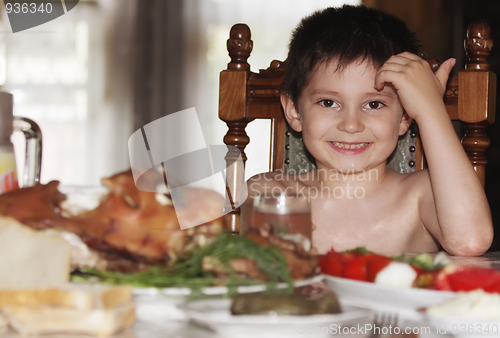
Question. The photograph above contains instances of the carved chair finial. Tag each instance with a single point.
(478, 45)
(239, 46)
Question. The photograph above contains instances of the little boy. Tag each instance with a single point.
(354, 82)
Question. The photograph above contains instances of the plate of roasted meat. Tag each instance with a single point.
(121, 235)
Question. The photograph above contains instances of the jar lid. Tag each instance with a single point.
(6, 114)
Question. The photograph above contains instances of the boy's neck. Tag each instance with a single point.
(335, 178)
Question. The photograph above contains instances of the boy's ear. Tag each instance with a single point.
(291, 113)
(404, 124)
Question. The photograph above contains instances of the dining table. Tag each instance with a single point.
(368, 309)
(163, 315)
(168, 313)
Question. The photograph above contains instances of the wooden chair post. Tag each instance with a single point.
(232, 110)
(477, 96)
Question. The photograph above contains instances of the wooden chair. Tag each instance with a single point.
(245, 96)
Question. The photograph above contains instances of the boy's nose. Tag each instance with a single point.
(351, 122)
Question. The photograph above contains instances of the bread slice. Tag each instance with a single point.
(71, 296)
(29, 258)
(93, 309)
(51, 320)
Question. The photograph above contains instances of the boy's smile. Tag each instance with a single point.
(346, 124)
(350, 147)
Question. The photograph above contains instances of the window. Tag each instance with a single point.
(63, 75)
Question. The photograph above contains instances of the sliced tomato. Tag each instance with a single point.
(366, 267)
(333, 263)
(467, 278)
(353, 264)
(494, 286)
(356, 268)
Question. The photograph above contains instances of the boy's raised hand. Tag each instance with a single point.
(418, 87)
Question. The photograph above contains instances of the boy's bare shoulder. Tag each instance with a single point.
(417, 177)
(417, 182)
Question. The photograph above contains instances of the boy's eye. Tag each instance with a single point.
(374, 105)
(328, 103)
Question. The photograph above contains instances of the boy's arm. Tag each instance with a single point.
(454, 208)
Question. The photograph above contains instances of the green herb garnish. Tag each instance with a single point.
(188, 271)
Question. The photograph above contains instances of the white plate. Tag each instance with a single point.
(159, 305)
(219, 290)
(382, 297)
(215, 314)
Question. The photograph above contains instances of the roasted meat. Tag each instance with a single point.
(34, 206)
(130, 229)
(301, 263)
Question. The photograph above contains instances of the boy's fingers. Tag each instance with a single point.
(387, 73)
(444, 70)
(379, 81)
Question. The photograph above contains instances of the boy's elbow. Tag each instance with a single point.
(469, 250)
(474, 245)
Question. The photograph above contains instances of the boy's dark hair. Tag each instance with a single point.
(346, 34)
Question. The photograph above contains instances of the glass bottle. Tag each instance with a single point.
(8, 169)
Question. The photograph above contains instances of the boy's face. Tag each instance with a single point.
(346, 124)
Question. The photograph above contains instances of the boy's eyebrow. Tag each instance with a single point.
(376, 93)
(382, 93)
(324, 92)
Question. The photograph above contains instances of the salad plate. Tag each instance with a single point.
(383, 297)
(411, 304)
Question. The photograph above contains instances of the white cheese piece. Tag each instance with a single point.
(29, 258)
(397, 275)
(472, 305)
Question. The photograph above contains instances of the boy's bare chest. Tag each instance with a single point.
(385, 224)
